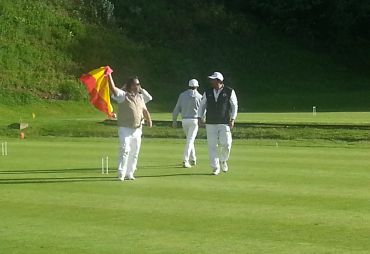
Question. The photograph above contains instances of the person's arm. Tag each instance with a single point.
(202, 110)
(118, 94)
(176, 112)
(234, 108)
(112, 86)
(147, 117)
(146, 96)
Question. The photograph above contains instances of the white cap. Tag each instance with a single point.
(193, 83)
(217, 75)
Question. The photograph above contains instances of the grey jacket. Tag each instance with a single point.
(187, 104)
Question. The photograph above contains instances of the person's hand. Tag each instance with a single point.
(150, 123)
(108, 71)
(232, 123)
(174, 124)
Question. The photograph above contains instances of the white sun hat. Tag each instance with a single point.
(217, 75)
(193, 83)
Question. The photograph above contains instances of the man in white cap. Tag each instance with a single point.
(219, 105)
(188, 105)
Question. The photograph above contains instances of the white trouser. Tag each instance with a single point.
(190, 127)
(219, 143)
(129, 148)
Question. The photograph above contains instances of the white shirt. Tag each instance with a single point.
(233, 103)
(216, 93)
(121, 96)
(146, 96)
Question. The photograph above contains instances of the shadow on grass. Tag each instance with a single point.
(56, 180)
(77, 179)
(46, 171)
(74, 170)
(171, 175)
(159, 123)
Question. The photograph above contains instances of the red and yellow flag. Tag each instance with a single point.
(97, 85)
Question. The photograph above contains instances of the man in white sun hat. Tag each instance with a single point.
(219, 105)
(188, 105)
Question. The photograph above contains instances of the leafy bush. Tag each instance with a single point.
(13, 97)
(72, 90)
(184, 23)
(97, 10)
(339, 21)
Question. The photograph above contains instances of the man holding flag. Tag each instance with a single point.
(131, 112)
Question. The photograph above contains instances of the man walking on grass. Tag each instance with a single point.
(135, 146)
(131, 112)
(219, 105)
(188, 105)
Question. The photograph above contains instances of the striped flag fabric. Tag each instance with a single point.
(96, 82)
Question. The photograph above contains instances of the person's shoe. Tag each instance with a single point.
(193, 162)
(224, 166)
(216, 171)
(186, 164)
(130, 178)
(120, 176)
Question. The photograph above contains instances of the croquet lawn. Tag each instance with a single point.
(278, 197)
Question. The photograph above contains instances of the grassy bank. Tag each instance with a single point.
(47, 45)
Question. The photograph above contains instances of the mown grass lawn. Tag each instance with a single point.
(279, 197)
